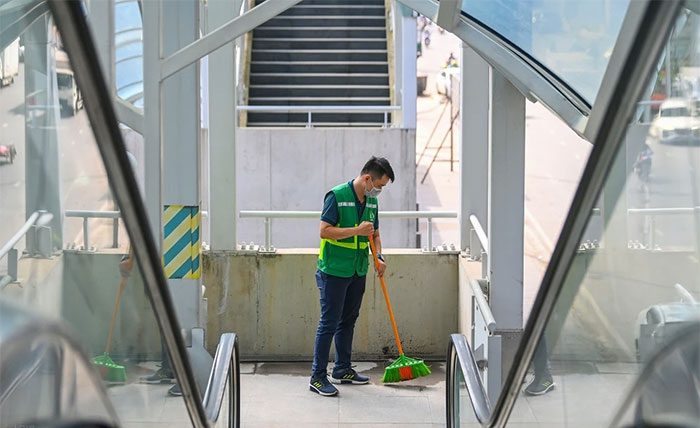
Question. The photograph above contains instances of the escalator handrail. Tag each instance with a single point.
(688, 334)
(460, 352)
(226, 366)
(24, 330)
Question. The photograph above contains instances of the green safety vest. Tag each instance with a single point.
(349, 256)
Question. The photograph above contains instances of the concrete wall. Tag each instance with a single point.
(292, 169)
(80, 288)
(272, 303)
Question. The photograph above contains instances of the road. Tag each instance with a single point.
(82, 175)
(554, 159)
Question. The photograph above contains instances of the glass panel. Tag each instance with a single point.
(74, 265)
(463, 405)
(128, 49)
(623, 301)
(573, 39)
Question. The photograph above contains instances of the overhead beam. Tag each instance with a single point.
(129, 115)
(223, 35)
(448, 14)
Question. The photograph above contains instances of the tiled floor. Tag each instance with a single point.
(277, 395)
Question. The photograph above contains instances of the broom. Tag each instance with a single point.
(403, 368)
(110, 371)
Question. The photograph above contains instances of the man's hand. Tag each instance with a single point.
(382, 269)
(365, 228)
(126, 265)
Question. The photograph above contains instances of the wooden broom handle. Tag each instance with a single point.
(117, 302)
(386, 297)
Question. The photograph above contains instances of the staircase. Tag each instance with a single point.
(329, 53)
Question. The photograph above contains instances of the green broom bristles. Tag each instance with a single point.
(405, 368)
(109, 370)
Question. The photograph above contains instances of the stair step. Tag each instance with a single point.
(319, 32)
(325, 10)
(319, 78)
(318, 67)
(320, 57)
(319, 91)
(326, 21)
(319, 44)
(318, 101)
(302, 118)
(336, 2)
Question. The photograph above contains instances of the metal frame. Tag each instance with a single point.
(223, 35)
(650, 21)
(531, 79)
(99, 107)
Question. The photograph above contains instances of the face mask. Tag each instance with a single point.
(374, 192)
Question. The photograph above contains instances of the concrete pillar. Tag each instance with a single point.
(42, 173)
(474, 148)
(222, 130)
(506, 212)
(180, 143)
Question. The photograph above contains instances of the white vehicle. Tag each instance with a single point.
(68, 93)
(9, 63)
(676, 123)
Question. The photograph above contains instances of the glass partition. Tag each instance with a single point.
(70, 258)
(626, 299)
(571, 38)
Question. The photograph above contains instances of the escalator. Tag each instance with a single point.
(615, 325)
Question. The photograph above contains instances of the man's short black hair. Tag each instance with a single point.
(377, 168)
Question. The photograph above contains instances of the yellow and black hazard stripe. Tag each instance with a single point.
(181, 242)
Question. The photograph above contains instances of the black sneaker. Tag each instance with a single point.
(540, 386)
(323, 387)
(161, 376)
(350, 376)
(175, 390)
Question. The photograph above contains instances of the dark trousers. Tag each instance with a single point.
(340, 306)
(540, 360)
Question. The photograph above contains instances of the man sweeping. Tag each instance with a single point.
(349, 218)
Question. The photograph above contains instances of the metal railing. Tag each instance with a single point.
(460, 360)
(38, 219)
(269, 215)
(652, 213)
(87, 214)
(479, 247)
(224, 386)
(309, 110)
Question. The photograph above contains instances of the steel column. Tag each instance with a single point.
(506, 211)
(222, 132)
(180, 117)
(474, 150)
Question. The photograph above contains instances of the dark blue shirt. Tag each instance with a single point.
(330, 208)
